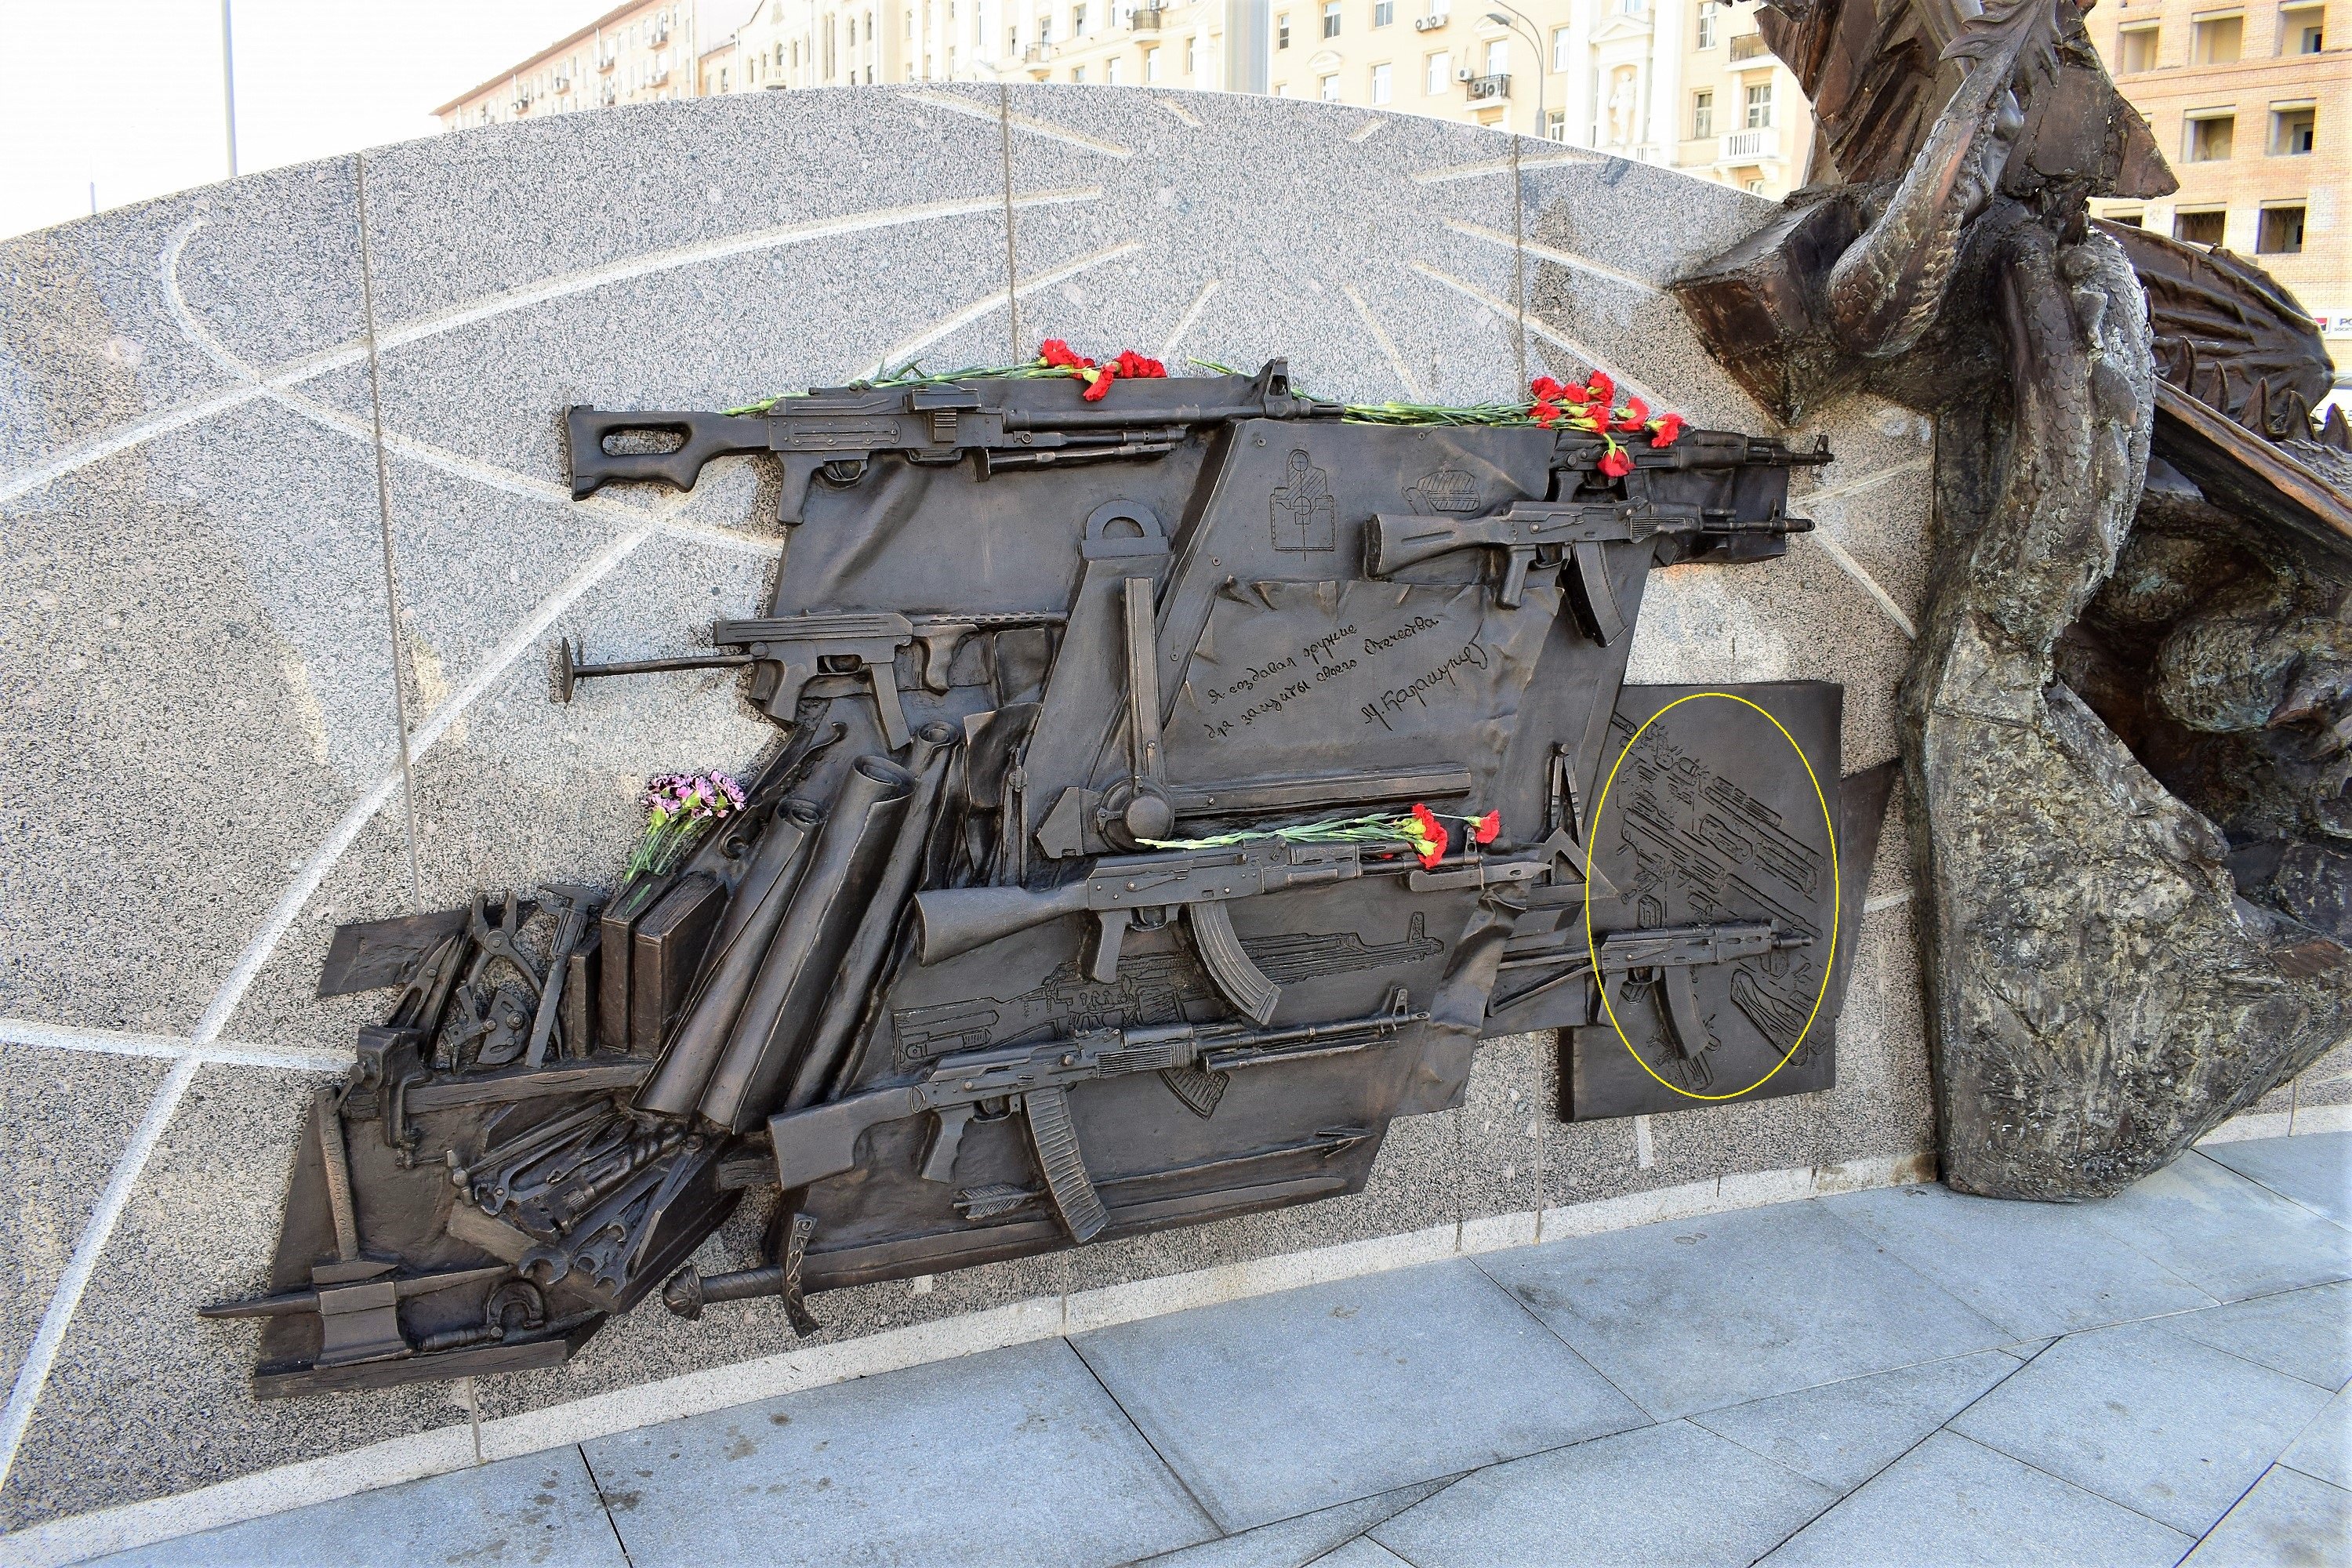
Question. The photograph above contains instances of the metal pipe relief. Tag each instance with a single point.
(846, 1003)
(800, 963)
(750, 924)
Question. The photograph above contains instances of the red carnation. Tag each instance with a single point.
(1098, 382)
(1601, 389)
(1131, 364)
(1428, 835)
(1616, 462)
(1546, 414)
(1665, 429)
(1637, 415)
(1545, 389)
(1056, 353)
(1484, 829)
(1576, 394)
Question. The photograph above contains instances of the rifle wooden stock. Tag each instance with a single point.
(950, 920)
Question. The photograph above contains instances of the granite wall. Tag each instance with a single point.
(275, 613)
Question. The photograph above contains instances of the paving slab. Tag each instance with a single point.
(1363, 1553)
(1015, 1456)
(2034, 1268)
(2324, 1449)
(538, 1508)
(1289, 1403)
(2287, 1517)
(2141, 1415)
(1704, 1313)
(2226, 1233)
(1295, 1542)
(2314, 1169)
(1954, 1504)
(2303, 1333)
(1844, 1433)
(1665, 1494)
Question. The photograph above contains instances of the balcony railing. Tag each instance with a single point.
(1036, 54)
(1485, 87)
(1751, 144)
(1147, 19)
(1747, 47)
(607, 62)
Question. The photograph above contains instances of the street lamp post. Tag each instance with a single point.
(1533, 35)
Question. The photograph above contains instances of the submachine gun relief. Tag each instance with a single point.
(1199, 952)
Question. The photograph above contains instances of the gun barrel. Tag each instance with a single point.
(950, 920)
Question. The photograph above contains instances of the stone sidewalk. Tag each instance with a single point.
(1890, 1377)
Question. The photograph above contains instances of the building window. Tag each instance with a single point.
(1703, 113)
(1326, 87)
(2301, 30)
(2128, 220)
(1556, 125)
(1012, 40)
(1114, 70)
(1383, 84)
(1629, 7)
(1562, 49)
(2136, 50)
(1383, 12)
(1706, 25)
(1498, 56)
(1754, 187)
(2210, 138)
(2199, 227)
(1151, 65)
(1045, 28)
(2295, 129)
(1330, 18)
(1192, 54)
(2280, 232)
(2217, 40)
(1441, 72)
(1759, 106)
(1077, 21)
(1282, 31)
(1078, 73)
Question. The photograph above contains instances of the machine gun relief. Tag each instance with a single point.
(1574, 534)
(1665, 957)
(1003, 590)
(1035, 1081)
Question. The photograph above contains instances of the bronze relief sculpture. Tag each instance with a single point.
(1175, 779)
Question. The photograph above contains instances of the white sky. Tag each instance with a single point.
(126, 93)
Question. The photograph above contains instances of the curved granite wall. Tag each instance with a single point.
(276, 610)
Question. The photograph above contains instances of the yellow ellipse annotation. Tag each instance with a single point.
(1837, 895)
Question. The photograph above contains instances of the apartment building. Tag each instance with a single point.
(1682, 82)
(635, 53)
(2250, 104)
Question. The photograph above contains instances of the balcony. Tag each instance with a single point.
(656, 79)
(1430, 23)
(1481, 88)
(1147, 19)
(559, 86)
(1748, 47)
(1036, 54)
(607, 62)
(1751, 146)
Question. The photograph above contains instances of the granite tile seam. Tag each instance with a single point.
(1923, 463)
(395, 645)
(433, 323)
(990, 302)
(365, 1469)
(1539, 327)
(959, 104)
(1553, 254)
(1189, 320)
(1821, 540)
(1370, 128)
(1380, 335)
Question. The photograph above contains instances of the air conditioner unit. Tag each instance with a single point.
(1430, 23)
(1465, 74)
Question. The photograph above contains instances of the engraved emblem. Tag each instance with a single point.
(1305, 516)
(1449, 490)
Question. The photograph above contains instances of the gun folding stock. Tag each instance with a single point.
(700, 437)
